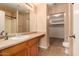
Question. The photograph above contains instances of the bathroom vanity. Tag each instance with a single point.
(21, 47)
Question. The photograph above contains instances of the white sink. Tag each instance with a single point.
(13, 41)
(21, 37)
(2, 40)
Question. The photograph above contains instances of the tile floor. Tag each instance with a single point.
(55, 49)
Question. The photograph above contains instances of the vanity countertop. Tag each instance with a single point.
(7, 43)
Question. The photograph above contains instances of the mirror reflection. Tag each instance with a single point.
(15, 19)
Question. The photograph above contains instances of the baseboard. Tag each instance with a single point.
(43, 47)
(56, 38)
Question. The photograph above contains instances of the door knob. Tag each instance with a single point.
(72, 36)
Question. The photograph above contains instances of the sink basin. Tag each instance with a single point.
(21, 37)
(2, 40)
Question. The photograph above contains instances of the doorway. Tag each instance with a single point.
(55, 30)
(59, 49)
(56, 33)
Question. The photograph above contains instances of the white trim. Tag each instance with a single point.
(43, 47)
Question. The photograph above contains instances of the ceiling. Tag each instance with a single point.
(54, 4)
(14, 7)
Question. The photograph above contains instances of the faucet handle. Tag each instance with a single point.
(2, 33)
(6, 33)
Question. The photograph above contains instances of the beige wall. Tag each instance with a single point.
(38, 22)
(42, 23)
(33, 21)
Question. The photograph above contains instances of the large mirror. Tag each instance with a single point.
(15, 19)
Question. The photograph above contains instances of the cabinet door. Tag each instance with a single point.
(26, 52)
(15, 50)
(21, 53)
(34, 50)
(0, 53)
(33, 47)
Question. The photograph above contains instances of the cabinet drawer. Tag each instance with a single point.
(33, 41)
(14, 49)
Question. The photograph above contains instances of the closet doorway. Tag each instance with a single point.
(56, 33)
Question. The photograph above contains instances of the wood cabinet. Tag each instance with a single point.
(34, 50)
(27, 48)
(33, 47)
(15, 50)
(21, 53)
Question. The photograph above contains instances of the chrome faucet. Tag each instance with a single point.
(4, 35)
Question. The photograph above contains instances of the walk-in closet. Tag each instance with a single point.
(56, 28)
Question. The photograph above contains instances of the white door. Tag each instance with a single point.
(76, 29)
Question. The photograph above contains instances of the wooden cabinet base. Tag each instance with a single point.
(28, 48)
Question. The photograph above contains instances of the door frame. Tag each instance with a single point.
(68, 24)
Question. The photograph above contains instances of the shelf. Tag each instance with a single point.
(56, 21)
(59, 23)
